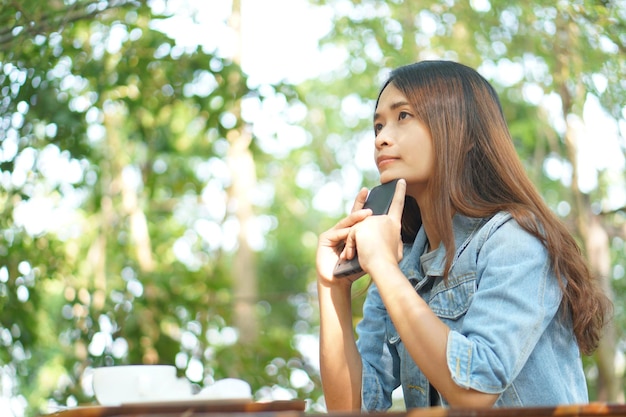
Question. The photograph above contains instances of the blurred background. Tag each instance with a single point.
(167, 165)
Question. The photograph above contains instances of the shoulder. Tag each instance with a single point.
(503, 243)
(503, 227)
(501, 239)
(494, 224)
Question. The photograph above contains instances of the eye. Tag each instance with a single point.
(378, 127)
(403, 115)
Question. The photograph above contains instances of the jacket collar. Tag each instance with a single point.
(463, 228)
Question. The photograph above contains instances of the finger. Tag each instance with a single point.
(338, 234)
(400, 253)
(359, 202)
(349, 249)
(397, 203)
(334, 238)
(353, 218)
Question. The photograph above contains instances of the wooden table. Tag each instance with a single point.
(296, 409)
(188, 409)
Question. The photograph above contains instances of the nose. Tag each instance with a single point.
(383, 138)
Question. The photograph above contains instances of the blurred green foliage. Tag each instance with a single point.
(117, 222)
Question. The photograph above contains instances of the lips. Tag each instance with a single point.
(383, 160)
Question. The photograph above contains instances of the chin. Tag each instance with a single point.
(386, 177)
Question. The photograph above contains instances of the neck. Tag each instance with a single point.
(432, 235)
(426, 211)
(423, 199)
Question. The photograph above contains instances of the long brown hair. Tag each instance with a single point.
(478, 173)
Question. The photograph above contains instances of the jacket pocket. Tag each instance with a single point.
(452, 299)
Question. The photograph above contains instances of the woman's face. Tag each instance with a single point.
(404, 147)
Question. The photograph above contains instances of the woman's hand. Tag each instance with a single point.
(331, 243)
(378, 238)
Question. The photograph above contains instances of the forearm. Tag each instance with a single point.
(340, 362)
(425, 337)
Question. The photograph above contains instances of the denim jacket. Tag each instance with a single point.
(501, 303)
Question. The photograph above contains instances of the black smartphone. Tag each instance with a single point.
(379, 201)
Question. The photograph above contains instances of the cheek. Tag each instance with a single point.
(423, 153)
(424, 162)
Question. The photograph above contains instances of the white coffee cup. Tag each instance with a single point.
(226, 389)
(126, 384)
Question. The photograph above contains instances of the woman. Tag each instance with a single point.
(487, 302)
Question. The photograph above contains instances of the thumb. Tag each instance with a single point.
(397, 203)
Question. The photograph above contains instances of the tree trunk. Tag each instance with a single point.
(591, 231)
(610, 377)
(243, 174)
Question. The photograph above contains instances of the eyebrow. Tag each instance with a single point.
(393, 106)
